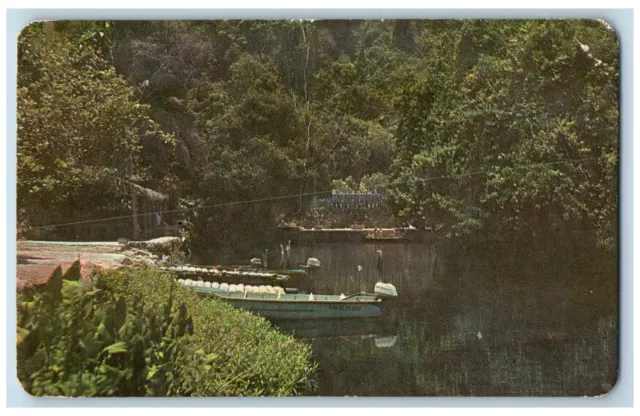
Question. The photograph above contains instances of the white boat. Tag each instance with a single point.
(298, 306)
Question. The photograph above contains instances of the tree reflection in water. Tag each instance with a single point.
(547, 323)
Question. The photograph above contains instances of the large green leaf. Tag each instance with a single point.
(54, 284)
(73, 272)
(120, 314)
(116, 348)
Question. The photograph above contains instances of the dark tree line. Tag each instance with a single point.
(211, 112)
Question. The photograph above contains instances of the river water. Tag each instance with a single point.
(466, 323)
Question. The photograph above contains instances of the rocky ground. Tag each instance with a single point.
(36, 260)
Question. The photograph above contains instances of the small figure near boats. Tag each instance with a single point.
(379, 261)
(288, 253)
(186, 233)
(282, 256)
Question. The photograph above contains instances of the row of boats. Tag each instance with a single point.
(195, 271)
(294, 279)
(226, 287)
(279, 294)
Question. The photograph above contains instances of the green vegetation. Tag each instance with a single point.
(80, 130)
(488, 131)
(517, 100)
(519, 117)
(138, 333)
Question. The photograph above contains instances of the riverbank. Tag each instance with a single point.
(136, 332)
(36, 260)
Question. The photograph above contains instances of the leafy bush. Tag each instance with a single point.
(138, 333)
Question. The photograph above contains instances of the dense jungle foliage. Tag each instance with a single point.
(478, 128)
(139, 333)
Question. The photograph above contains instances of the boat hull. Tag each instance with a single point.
(284, 307)
(309, 310)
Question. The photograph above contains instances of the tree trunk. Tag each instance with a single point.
(134, 208)
(307, 121)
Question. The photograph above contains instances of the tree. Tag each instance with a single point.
(523, 132)
(79, 129)
(478, 127)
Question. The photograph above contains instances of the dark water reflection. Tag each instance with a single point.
(526, 322)
(468, 323)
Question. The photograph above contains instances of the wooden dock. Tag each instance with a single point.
(364, 235)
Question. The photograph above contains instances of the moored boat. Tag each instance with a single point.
(385, 234)
(244, 275)
(296, 306)
(295, 280)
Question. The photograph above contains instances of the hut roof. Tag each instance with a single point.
(147, 193)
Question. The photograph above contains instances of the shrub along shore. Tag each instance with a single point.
(138, 333)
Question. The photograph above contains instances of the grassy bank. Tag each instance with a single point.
(138, 333)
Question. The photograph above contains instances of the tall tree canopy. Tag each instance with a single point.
(79, 129)
(476, 128)
(525, 127)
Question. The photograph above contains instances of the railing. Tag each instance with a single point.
(351, 201)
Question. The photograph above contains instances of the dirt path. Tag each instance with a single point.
(36, 260)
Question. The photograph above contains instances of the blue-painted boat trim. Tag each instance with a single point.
(293, 307)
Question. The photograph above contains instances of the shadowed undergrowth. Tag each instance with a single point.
(137, 333)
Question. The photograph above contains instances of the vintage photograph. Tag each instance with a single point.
(370, 208)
